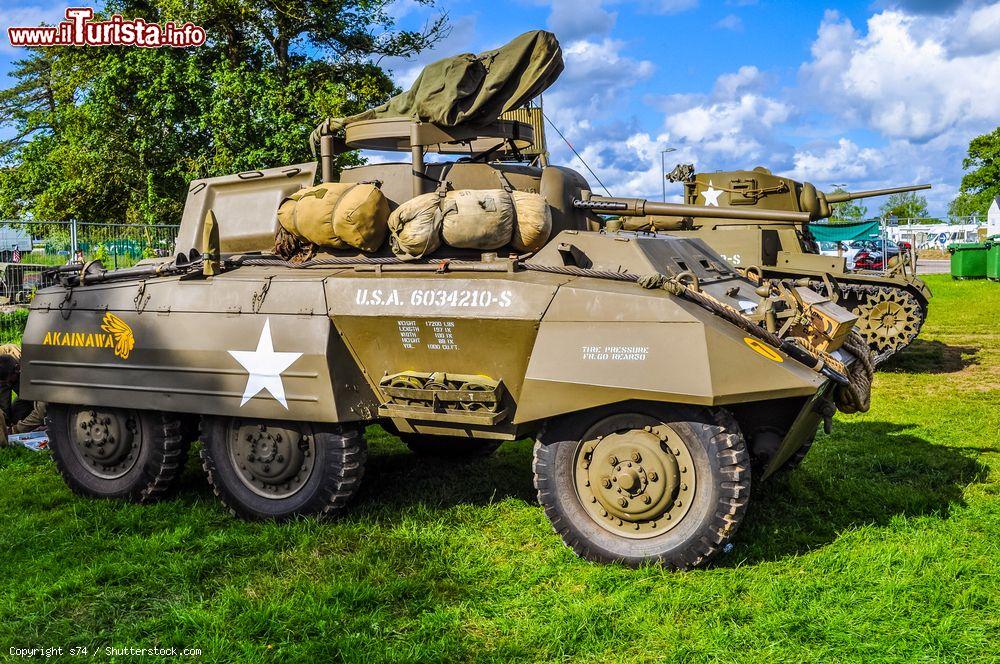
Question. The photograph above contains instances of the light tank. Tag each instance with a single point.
(655, 379)
(891, 306)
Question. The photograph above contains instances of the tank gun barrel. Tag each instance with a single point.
(841, 197)
(640, 207)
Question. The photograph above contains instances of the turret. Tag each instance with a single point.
(761, 190)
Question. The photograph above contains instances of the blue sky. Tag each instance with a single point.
(867, 94)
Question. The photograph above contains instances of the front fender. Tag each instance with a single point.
(608, 343)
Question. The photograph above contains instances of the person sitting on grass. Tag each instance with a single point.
(16, 415)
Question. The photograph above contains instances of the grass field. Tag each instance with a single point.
(883, 546)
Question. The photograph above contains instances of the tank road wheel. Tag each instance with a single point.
(117, 452)
(277, 470)
(635, 489)
(889, 320)
(449, 447)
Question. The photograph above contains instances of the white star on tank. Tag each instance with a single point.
(265, 367)
(711, 195)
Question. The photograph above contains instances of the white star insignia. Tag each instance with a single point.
(711, 195)
(265, 367)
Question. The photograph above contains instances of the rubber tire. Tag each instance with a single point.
(337, 473)
(721, 497)
(155, 475)
(449, 447)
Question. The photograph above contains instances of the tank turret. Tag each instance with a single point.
(740, 219)
(760, 189)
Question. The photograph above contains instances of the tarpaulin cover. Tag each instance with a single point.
(474, 90)
(865, 230)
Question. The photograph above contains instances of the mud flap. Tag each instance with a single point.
(804, 426)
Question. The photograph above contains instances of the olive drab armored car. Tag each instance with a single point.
(891, 307)
(655, 379)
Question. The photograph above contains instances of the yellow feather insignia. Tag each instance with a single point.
(120, 332)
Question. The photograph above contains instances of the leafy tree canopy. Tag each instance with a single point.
(981, 183)
(115, 134)
(908, 205)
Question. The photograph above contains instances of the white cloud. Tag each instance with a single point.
(596, 77)
(668, 6)
(727, 118)
(730, 22)
(901, 78)
(844, 161)
(730, 127)
(745, 79)
(575, 19)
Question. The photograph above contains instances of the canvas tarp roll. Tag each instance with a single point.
(473, 90)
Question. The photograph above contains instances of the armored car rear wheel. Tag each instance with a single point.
(277, 470)
(449, 447)
(637, 489)
(117, 452)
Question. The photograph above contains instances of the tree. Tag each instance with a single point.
(908, 205)
(115, 134)
(981, 184)
(850, 211)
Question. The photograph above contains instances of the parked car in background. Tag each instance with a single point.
(846, 249)
(875, 257)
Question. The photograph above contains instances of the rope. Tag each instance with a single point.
(856, 396)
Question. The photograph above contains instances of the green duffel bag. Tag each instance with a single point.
(416, 227)
(477, 219)
(533, 221)
(337, 215)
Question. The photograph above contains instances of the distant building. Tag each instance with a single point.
(993, 218)
(13, 241)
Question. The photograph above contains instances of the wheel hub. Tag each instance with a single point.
(273, 461)
(637, 483)
(107, 441)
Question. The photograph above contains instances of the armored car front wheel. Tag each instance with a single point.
(117, 452)
(642, 489)
(277, 470)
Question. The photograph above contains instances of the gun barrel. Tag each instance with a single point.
(841, 197)
(640, 207)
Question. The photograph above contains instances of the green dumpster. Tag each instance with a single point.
(968, 260)
(993, 261)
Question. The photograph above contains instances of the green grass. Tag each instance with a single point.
(12, 325)
(882, 546)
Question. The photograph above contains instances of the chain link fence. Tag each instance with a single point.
(29, 249)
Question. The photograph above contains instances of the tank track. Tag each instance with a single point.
(889, 318)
